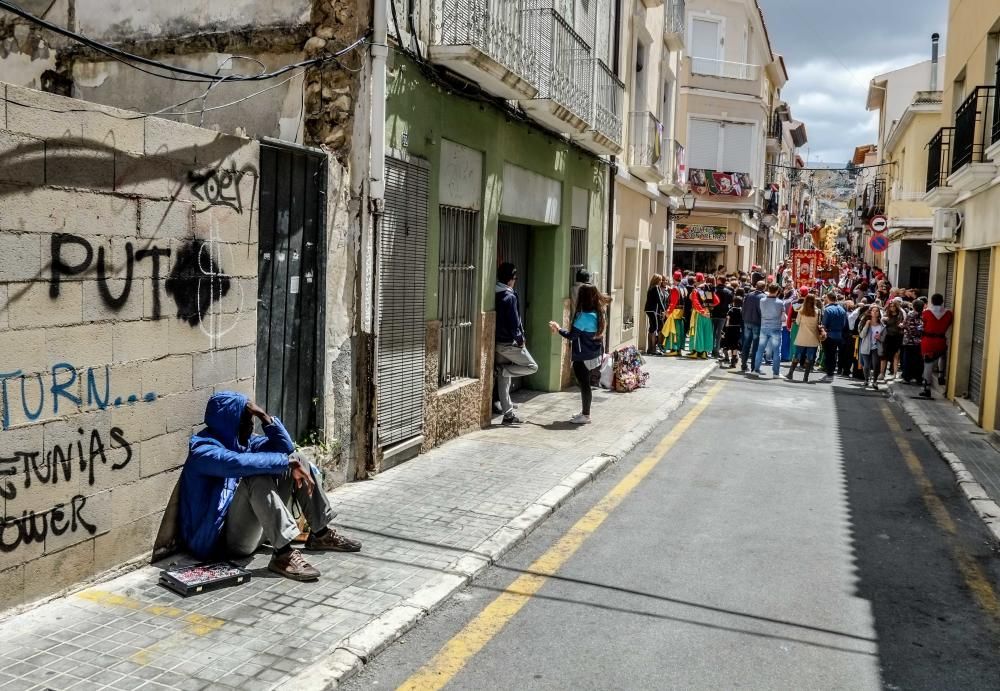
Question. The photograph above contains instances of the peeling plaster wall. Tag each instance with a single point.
(131, 19)
(276, 113)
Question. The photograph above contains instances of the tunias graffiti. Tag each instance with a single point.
(20, 470)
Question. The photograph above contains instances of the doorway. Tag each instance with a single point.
(290, 271)
(512, 246)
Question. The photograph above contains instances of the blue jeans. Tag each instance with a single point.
(805, 355)
(751, 333)
(770, 339)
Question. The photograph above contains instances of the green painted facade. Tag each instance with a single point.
(419, 113)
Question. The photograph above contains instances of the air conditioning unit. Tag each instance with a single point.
(947, 225)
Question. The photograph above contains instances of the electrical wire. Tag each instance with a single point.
(830, 170)
(187, 74)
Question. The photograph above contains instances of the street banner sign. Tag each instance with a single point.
(878, 243)
(879, 224)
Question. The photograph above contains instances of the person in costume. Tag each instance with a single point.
(673, 327)
(934, 342)
(703, 299)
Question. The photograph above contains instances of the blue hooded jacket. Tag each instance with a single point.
(216, 461)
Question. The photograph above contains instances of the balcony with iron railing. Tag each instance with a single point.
(722, 75)
(675, 183)
(647, 153)
(774, 132)
(971, 167)
(939, 159)
(675, 24)
(605, 135)
(486, 42)
(564, 73)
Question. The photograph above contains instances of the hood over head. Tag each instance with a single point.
(222, 417)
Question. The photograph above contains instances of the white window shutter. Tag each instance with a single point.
(705, 46)
(703, 144)
(737, 148)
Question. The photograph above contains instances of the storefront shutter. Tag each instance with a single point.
(949, 281)
(703, 144)
(979, 326)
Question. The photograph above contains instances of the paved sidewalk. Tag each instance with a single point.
(965, 446)
(428, 527)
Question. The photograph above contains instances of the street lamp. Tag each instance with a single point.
(688, 203)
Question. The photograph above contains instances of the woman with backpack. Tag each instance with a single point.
(586, 337)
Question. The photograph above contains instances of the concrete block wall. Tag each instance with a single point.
(128, 283)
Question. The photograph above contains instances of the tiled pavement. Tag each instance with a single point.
(421, 523)
(970, 451)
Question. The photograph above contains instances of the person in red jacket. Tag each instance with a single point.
(673, 325)
(934, 342)
(702, 336)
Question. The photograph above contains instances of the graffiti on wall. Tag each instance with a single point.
(220, 187)
(74, 463)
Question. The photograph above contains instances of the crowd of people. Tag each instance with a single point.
(857, 326)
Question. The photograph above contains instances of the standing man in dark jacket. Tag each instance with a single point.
(512, 357)
(719, 312)
(236, 486)
(751, 325)
(834, 322)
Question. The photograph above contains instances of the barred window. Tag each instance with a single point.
(457, 304)
(577, 252)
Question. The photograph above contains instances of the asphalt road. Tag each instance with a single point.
(793, 537)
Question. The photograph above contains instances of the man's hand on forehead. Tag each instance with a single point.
(258, 412)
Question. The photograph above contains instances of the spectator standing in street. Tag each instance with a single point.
(806, 338)
(934, 342)
(872, 334)
(834, 322)
(586, 337)
(892, 339)
(732, 339)
(719, 313)
(772, 315)
(654, 315)
(512, 356)
(751, 324)
(913, 331)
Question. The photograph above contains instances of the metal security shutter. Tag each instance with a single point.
(737, 148)
(979, 326)
(703, 144)
(402, 250)
(949, 281)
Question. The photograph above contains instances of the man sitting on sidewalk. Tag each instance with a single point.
(235, 489)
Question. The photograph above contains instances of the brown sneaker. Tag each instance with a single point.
(332, 541)
(293, 565)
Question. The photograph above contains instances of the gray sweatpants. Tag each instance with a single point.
(259, 511)
(511, 361)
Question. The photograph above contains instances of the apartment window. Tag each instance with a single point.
(639, 100)
(993, 55)
(457, 305)
(706, 41)
(724, 146)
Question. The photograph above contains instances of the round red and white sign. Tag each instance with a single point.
(879, 224)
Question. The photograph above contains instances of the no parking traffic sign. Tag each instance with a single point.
(878, 243)
(879, 224)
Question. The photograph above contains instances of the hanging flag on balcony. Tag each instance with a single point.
(720, 184)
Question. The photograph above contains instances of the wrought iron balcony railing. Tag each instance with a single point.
(774, 127)
(646, 146)
(675, 19)
(996, 110)
(495, 27)
(973, 127)
(939, 158)
(609, 95)
(721, 68)
(563, 61)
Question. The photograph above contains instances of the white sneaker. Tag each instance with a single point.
(580, 419)
(882, 379)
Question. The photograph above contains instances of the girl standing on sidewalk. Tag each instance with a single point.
(586, 340)
(870, 345)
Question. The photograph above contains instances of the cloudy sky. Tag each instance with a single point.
(832, 49)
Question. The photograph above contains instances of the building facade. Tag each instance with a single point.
(964, 191)
(729, 97)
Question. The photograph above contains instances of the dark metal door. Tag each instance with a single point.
(289, 329)
(981, 299)
(402, 259)
(512, 246)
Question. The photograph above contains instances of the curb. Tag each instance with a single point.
(982, 504)
(358, 649)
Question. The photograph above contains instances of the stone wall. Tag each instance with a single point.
(128, 263)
